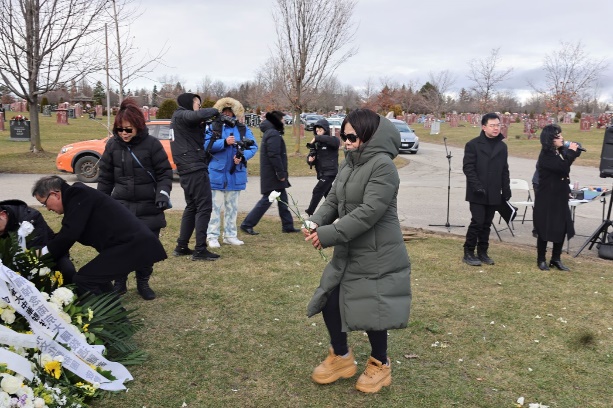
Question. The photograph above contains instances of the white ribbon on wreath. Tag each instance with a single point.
(47, 325)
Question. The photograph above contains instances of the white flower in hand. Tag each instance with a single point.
(272, 197)
(25, 229)
(310, 225)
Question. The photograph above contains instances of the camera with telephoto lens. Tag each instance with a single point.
(312, 149)
(241, 146)
(228, 120)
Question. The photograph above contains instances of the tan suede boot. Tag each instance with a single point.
(334, 367)
(375, 376)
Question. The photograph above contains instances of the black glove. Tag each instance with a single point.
(162, 205)
(480, 191)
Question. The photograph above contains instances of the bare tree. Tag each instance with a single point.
(128, 64)
(486, 76)
(311, 37)
(433, 92)
(44, 45)
(569, 72)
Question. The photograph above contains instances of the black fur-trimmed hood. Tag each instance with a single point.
(275, 120)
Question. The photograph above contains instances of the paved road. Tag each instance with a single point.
(422, 196)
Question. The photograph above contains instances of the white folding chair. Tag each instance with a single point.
(520, 185)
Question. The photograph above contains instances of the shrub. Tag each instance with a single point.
(207, 103)
(166, 109)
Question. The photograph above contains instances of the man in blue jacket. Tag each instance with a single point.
(232, 145)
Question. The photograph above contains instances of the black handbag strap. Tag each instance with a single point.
(140, 164)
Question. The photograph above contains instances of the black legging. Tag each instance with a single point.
(541, 250)
(338, 339)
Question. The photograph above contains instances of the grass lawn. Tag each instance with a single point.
(233, 333)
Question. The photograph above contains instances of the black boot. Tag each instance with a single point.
(143, 288)
(470, 259)
(542, 265)
(483, 257)
(558, 264)
(121, 286)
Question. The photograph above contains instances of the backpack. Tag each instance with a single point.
(605, 250)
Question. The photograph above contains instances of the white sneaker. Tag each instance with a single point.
(233, 241)
(213, 243)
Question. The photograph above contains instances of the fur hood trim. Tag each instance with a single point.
(236, 106)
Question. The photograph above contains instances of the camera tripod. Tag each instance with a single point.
(447, 224)
(600, 235)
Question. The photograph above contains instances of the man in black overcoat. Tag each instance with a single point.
(92, 218)
(487, 185)
(273, 174)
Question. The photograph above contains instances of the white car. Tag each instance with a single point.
(409, 142)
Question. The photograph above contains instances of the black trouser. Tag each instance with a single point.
(322, 188)
(198, 207)
(338, 339)
(66, 267)
(478, 233)
(260, 208)
(144, 272)
(541, 250)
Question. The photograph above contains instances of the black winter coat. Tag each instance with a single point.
(124, 179)
(273, 158)
(326, 161)
(552, 218)
(188, 151)
(486, 172)
(94, 219)
(18, 212)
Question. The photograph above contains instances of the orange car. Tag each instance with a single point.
(81, 158)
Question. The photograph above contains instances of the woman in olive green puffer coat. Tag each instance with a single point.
(366, 286)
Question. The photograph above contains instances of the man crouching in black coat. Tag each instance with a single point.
(13, 213)
(92, 218)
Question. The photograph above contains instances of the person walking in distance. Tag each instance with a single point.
(323, 155)
(487, 185)
(191, 158)
(274, 175)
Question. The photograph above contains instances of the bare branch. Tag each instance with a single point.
(486, 76)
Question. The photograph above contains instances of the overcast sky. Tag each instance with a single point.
(401, 40)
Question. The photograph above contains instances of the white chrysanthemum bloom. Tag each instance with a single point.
(45, 295)
(54, 306)
(25, 229)
(10, 384)
(62, 296)
(3, 304)
(39, 403)
(45, 358)
(272, 197)
(27, 391)
(65, 316)
(44, 271)
(5, 399)
(8, 316)
(310, 224)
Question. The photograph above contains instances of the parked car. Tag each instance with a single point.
(288, 119)
(335, 125)
(409, 142)
(81, 158)
(311, 120)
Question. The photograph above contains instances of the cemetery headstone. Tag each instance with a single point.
(20, 130)
(2, 121)
(435, 127)
(47, 110)
(62, 116)
(585, 124)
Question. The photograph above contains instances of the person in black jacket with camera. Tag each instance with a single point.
(191, 158)
(487, 185)
(323, 154)
(135, 170)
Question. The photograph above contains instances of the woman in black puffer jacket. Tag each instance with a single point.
(135, 170)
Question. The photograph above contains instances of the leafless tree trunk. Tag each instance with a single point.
(45, 45)
(486, 76)
(569, 72)
(129, 65)
(311, 35)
